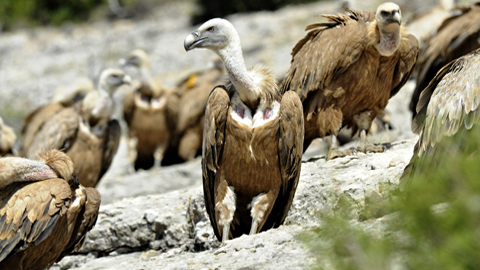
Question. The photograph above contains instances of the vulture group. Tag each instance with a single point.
(250, 130)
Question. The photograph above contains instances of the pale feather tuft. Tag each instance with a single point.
(59, 162)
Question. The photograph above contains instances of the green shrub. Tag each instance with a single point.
(435, 222)
(33, 12)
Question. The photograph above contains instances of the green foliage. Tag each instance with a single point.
(220, 8)
(435, 222)
(32, 12)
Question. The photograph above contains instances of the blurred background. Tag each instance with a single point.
(45, 44)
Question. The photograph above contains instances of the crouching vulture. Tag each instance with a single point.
(85, 132)
(63, 98)
(457, 36)
(150, 112)
(252, 143)
(346, 70)
(7, 139)
(448, 107)
(44, 211)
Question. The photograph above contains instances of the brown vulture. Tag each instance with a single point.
(7, 139)
(186, 142)
(457, 36)
(44, 211)
(447, 108)
(150, 113)
(85, 131)
(252, 143)
(345, 71)
(63, 98)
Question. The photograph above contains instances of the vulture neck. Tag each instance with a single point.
(246, 87)
(23, 170)
(389, 40)
(146, 79)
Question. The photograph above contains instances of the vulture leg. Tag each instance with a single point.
(365, 146)
(364, 122)
(260, 209)
(225, 206)
(334, 152)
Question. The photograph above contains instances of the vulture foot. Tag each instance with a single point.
(336, 153)
(371, 148)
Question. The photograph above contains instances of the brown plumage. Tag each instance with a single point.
(85, 132)
(447, 108)
(449, 104)
(347, 69)
(44, 212)
(149, 110)
(65, 97)
(252, 144)
(7, 139)
(186, 142)
(457, 36)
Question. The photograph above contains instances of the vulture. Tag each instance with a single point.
(457, 36)
(44, 211)
(186, 142)
(64, 97)
(345, 71)
(85, 131)
(252, 142)
(447, 108)
(149, 111)
(7, 139)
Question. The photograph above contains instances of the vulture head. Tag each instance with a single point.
(111, 79)
(389, 20)
(138, 58)
(217, 35)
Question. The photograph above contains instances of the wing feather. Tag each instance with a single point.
(290, 149)
(57, 133)
(111, 140)
(213, 140)
(35, 216)
(326, 51)
(449, 103)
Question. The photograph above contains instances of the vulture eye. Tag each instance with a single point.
(384, 13)
(210, 29)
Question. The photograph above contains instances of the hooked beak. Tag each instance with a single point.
(397, 18)
(192, 40)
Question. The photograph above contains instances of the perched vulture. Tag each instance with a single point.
(149, 110)
(457, 36)
(64, 97)
(44, 211)
(7, 139)
(252, 143)
(85, 131)
(448, 107)
(347, 69)
(186, 142)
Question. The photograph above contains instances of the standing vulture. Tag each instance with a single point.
(186, 141)
(44, 212)
(63, 98)
(252, 143)
(85, 131)
(457, 36)
(448, 107)
(149, 112)
(347, 69)
(7, 139)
